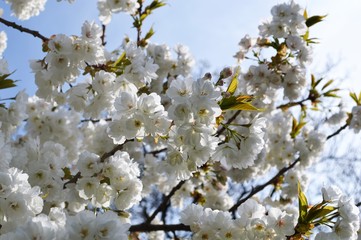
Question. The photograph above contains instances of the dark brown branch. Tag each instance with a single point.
(23, 29)
(102, 159)
(259, 188)
(230, 120)
(72, 180)
(102, 37)
(114, 150)
(292, 104)
(166, 199)
(139, 27)
(156, 152)
(96, 120)
(337, 132)
(144, 227)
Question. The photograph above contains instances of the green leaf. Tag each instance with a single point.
(7, 84)
(226, 103)
(313, 81)
(305, 15)
(327, 84)
(234, 82)
(314, 19)
(244, 106)
(306, 35)
(302, 204)
(331, 95)
(156, 4)
(149, 34)
(67, 173)
(241, 102)
(144, 16)
(119, 60)
(319, 212)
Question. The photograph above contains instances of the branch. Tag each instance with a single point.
(337, 132)
(259, 188)
(102, 37)
(221, 130)
(292, 104)
(145, 227)
(96, 120)
(156, 152)
(23, 29)
(114, 150)
(163, 205)
(102, 159)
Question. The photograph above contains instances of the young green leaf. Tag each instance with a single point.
(234, 82)
(314, 19)
(302, 204)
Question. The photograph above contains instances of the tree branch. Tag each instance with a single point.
(292, 104)
(144, 227)
(156, 152)
(337, 132)
(230, 120)
(102, 37)
(259, 188)
(23, 29)
(164, 203)
(114, 150)
(102, 159)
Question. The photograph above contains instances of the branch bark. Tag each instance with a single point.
(23, 29)
(144, 227)
(163, 205)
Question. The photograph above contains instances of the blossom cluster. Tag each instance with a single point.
(255, 222)
(109, 133)
(348, 224)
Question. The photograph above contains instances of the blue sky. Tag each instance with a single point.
(210, 28)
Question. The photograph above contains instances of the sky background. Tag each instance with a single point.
(210, 28)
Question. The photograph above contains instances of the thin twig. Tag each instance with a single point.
(156, 152)
(337, 132)
(292, 104)
(23, 29)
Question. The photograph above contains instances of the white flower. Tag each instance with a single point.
(88, 164)
(250, 210)
(348, 210)
(91, 32)
(108, 226)
(180, 89)
(3, 44)
(282, 223)
(355, 123)
(87, 186)
(26, 9)
(331, 193)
